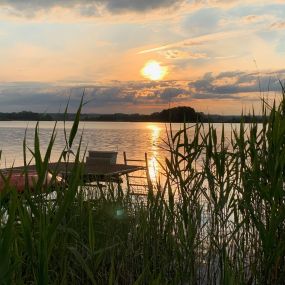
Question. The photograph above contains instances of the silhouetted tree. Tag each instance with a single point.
(177, 114)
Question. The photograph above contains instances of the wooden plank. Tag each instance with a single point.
(137, 184)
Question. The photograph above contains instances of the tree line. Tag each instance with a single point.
(174, 115)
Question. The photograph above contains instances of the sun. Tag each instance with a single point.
(153, 70)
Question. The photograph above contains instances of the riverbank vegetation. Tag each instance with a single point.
(218, 219)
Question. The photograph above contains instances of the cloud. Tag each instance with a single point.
(215, 96)
(171, 93)
(133, 96)
(139, 5)
(120, 5)
(278, 25)
(31, 95)
(42, 97)
(182, 54)
(234, 83)
(98, 8)
(201, 40)
(231, 3)
(255, 18)
(85, 7)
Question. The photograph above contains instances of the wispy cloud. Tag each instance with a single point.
(182, 54)
(280, 25)
(231, 3)
(253, 18)
(201, 40)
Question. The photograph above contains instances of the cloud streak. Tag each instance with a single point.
(195, 41)
(278, 25)
(182, 54)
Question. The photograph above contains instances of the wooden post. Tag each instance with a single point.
(149, 182)
(127, 176)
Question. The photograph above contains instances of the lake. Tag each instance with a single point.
(133, 138)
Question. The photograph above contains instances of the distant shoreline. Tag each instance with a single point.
(230, 120)
(173, 115)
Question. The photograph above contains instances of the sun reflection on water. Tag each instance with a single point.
(153, 165)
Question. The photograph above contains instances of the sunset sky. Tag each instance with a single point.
(213, 55)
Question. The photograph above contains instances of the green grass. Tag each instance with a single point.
(218, 219)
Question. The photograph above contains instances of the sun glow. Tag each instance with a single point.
(153, 70)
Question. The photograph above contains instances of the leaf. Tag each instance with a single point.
(83, 264)
(75, 123)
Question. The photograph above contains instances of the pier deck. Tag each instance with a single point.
(91, 171)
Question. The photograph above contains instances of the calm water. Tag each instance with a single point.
(134, 138)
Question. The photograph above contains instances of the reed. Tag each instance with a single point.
(219, 218)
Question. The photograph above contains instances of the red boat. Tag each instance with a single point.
(18, 180)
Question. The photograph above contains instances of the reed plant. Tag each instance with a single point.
(218, 217)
